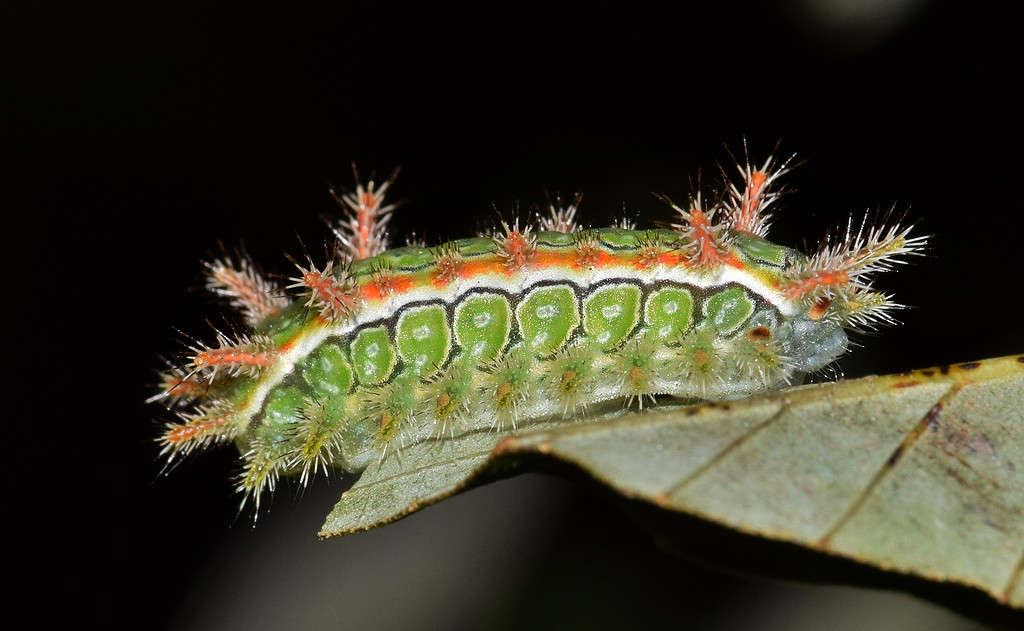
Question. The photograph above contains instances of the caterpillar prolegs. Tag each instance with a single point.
(385, 347)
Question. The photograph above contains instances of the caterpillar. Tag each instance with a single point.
(381, 347)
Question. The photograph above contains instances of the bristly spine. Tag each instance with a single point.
(635, 364)
(447, 263)
(652, 247)
(571, 378)
(587, 248)
(245, 288)
(207, 425)
(707, 241)
(244, 355)
(383, 276)
(180, 388)
(331, 292)
(836, 281)
(560, 218)
(315, 440)
(262, 465)
(515, 246)
(363, 233)
(748, 203)
(448, 399)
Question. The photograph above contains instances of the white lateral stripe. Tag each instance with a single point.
(512, 284)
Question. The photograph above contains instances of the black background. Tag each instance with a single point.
(144, 136)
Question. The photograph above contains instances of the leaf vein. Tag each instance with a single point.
(1015, 577)
(890, 464)
(411, 472)
(736, 443)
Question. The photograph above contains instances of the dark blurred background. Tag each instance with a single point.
(145, 133)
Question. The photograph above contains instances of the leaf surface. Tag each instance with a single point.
(917, 473)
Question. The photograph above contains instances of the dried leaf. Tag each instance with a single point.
(913, 473)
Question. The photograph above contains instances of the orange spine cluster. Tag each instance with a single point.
(707, 243)
(363, 232)
(447, 265)
(801, 287)
(517, 247)
(236, 357)
(198, 430)
(232, 357)
(747, 208)
(710, 248)
(845, 267)
(182, 388)
(588, 254)
(336, 297)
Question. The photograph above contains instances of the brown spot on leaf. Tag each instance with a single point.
(927, 373)
(952, 440)
(932, 417)
(906, 384)
(895, 456)
(968, 365)
(930, 420)
(980, 445)
(953, 473)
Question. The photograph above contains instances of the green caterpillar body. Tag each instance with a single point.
(414, 343)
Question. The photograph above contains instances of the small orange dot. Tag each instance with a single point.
(759, 333)
(636, 374)
(504, 390)
(818, 309)
(443, 400)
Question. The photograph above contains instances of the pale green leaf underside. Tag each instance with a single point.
(915, 473)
